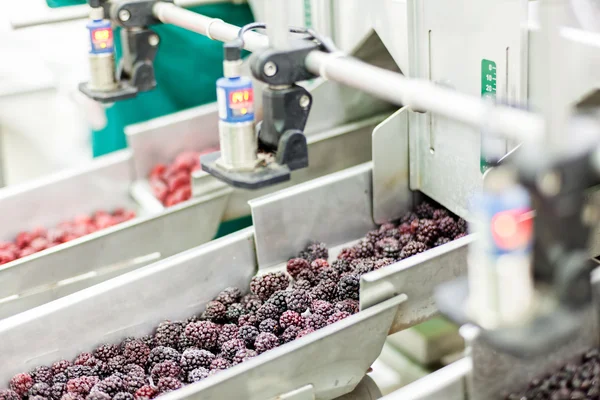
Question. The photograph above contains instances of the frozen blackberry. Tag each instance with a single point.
(348, 305)
(134, 382)
(101, 369)
(347, 254)
(42, 374)
(424, 210)
(60, 366)
(461, 224)
(167, 333)
(249, 297)
(439, 214)
(136, 352)
(313, 251)
(165, 369)
(134, 369)
(230, 348)
(57, 390)
(116, 364)
(389, 247)
(302, 284)
(289, 334)
(265, 285)
(278, 299)
(215, 311)
(318, 265)
(349, 286)
(328, 273)
(341, 266)
(72, 396)
(59, 378)
(290, 318)
(460, 235)
(298, 300)
(111, 386)
(234, 311)
(375, 236)
(82, 359)
(243, 355)
(197, 375)
(408, 218)
(162, 353)
(405, 238)
(296, 265)
(304, 332)
(220, 363)
(383, 262)
(412, 248)
(315, 321)
(77, 371)
(325, 290)
(229, 296)
(96, 395)
(228, 332)
(123, 396)
(427, 232)
(364, 249)
(337, 316)
(107, 351)
(440, 241)
(248, 319)
(7, 394)
(168, 384)
(252, 306)
(448, 227)
(204, 334)
(38, 398)
(149, 341)
(407, 229)
(40, 389)
(320, 307)
(194, 358)
(248, 333)
(269, 325)
(265, 341)
(82, 386)
(145, 392)
(307, 275)
(185, 343)
(268, 311)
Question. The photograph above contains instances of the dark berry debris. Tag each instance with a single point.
(194, 358)
(265, 285)
(21, 383)
(215, 311)
(107, 351)
(136, 352)
(229, 296)
(230, 348)
(296, 265)
(289, 334)
(267, 311)
(412, 248)
(325, 290)
(167, 334)
(234, 312)
(227, 332)
(290, 318)
(248, 333)
(168, 384)
(219, 363)
(321, 307)
(269, 325)
(248, 319)
(298, 300)
(265, 341)
(349, 286)
(162, 353)
(165, 369)
(243, 355)
(204, 334)
(197, 375)
(313, 251)
(145, 392)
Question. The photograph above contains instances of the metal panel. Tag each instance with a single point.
(448, 383)
(333, 209)
(102, 184)
(416, 277)
(330, 151)
(445, 155)
(130, 305)
(391, 192)
(179, 228)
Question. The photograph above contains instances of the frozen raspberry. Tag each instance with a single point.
(21, 383)
(58, 390)
(389, 247)
(301, 284)
(134, 382)
(364, 249)
(116, 364)
(111, 386)
(82, 359)
(133, 369)
(248, 298)
(341, 266)
(265, 341)
(328, 274)
(428, 231)
(308, 276)
(77, 371)
(295, 265)
(82, 386)
(412, 248)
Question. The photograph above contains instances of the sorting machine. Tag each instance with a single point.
(446, 142)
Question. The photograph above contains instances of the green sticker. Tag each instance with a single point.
(307, 14)
(488, 89)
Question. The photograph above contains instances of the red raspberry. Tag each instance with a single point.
(104, 221)
(82, 220)
(39, 244)
(179, 180)
(23, 239)
(56, 235)
(7, 256)
(159, 189)
(39, 232)
(158, 170)
(188, 158)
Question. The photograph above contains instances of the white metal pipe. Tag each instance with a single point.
(214, 28)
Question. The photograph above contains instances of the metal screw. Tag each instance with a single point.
(153, 40)
(124, 15)
(270, 69)
(304, 101)
(549, 183)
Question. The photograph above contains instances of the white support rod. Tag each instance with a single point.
(418, 94)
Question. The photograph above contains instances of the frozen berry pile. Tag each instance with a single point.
(576, 380)
(281, 307)
(172, 183)
(40, 239)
